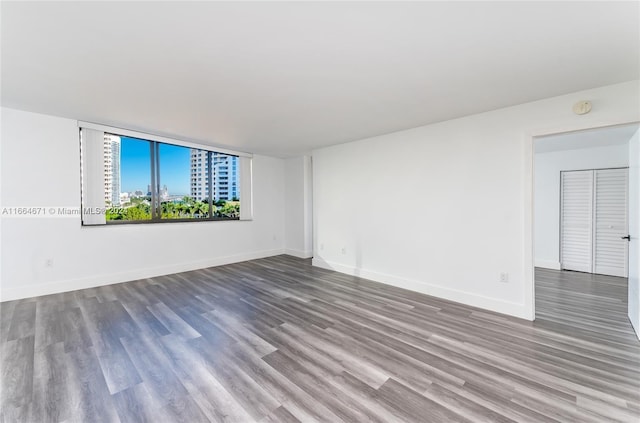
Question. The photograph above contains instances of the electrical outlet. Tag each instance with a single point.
(504, 277)
(48, 262)
(344, 250)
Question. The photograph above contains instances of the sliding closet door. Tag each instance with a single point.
(610, 249)
(576, 227)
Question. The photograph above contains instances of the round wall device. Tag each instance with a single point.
(582, 107)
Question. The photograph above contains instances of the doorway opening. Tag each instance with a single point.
(585, 210)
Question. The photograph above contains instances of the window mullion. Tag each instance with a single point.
(156, 159)
(152, 150)
(210, 183)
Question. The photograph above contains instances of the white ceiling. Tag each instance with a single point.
(601, 137)
(282, 78)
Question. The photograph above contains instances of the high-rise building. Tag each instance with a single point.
(225, 176)
(111, 169)
(199, 171)
(164, 193)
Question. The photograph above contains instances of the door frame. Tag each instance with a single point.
(528, 196)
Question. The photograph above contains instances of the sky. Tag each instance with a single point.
(135, 167)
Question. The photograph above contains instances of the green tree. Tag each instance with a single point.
(201, 209)
(139, 212)
(229, 210)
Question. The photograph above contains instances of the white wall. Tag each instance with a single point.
(40, 167)
(445, 208)
(547, 193)
(634, 231)
(298, 207)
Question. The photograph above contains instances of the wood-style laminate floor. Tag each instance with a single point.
(276, 340)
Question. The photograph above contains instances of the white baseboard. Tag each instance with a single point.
(298, 253)
(492, 304)
(548, 264)
(635, 329)
(112, 278)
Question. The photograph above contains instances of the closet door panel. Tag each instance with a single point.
(576, 226)
(610, 222)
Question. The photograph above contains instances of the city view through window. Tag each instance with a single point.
(191, 183)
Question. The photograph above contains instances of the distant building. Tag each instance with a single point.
(164, 192)
(225, 176)
(111, 169)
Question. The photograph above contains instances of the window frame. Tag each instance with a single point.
(156, 203)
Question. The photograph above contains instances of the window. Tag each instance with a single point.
(128, 186)
(132, 179)
(175, 171)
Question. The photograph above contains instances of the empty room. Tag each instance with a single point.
(319, 211)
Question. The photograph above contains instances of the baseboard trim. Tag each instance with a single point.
(635, 329)
(492, 304)
(548, 264)
(57, 287)
(298, 253)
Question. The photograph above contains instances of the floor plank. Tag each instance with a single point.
(277, 340)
